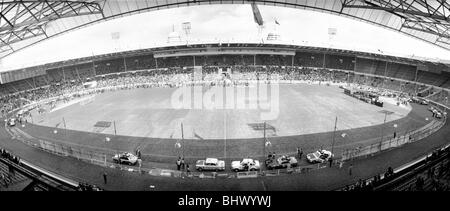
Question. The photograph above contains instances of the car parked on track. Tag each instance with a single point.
(281, 162)
(247, 164)
(12, 122)
(319, 156)
(431, 108)
(413, 100)
(125, 158)
(210, 164)
(438, 114)
(424, 102)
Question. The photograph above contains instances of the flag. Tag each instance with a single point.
(257, 15)
(276, 22)
(197, 136)
(115, 35)
(332, 31)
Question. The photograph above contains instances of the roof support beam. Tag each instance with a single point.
(404, 11)
(26, 19)
(427, 31)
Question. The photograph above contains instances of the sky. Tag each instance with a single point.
(224, 23)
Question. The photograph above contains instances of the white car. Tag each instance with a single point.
(247, 164)
(125, 158)
(424, 102)
(319, 156)
(210, 164)
(438, 114)
(12, 122)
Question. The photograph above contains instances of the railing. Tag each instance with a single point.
(76, 152)
(62, 149)
(409, 137)
(46, 180)
(403, 175)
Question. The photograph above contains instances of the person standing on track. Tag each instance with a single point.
(182, 163)
(350, 168)
(187, 169)
(138, 153)
(105, 177)
(300, 153)
(179, 163)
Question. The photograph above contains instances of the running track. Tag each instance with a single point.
(324, 179)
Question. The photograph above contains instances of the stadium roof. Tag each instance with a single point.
(26, 22)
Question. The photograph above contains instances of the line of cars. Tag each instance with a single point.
(246, 164)
(18, 118)
(272, 162)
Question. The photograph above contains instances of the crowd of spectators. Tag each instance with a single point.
(179, 76)
(287, 73)
(7, 155)
(433, 176)
(15, 159)
(6, 177)
(88, 187)
(144, 80)
(19, 99)
(369, 184)
(387, 87)
(436, 177)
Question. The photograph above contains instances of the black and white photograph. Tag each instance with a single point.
(224, 96)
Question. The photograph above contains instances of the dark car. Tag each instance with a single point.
(125, 158)
(280, 162)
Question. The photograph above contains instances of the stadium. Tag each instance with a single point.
(258, 114)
